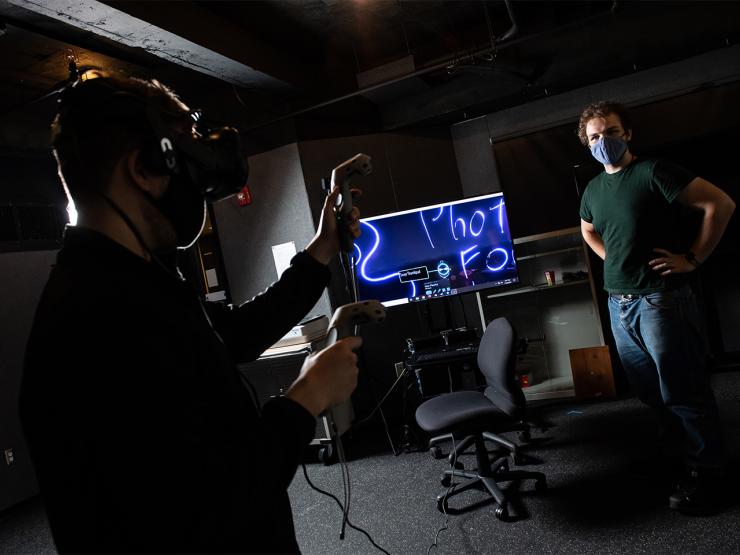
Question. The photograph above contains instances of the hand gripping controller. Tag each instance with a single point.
(341, 176)
(346, 318)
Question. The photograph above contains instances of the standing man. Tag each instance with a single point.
(628, 217)
(143, 437)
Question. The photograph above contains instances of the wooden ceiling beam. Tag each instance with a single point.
(178, 44)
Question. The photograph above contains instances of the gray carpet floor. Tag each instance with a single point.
(604, 495)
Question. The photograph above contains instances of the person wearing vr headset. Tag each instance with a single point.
(143, 437)
(629, 219)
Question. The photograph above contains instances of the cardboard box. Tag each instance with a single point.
(592, 372)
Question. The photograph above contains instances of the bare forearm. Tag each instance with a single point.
(712, 228)
(596, 243)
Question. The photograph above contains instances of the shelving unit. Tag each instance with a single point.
(537, 288)
(550, 319)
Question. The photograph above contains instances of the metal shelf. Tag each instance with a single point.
(534, 288)
(549, 235)
(549, 253)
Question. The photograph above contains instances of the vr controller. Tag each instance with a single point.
(346, 319)
(341, 177)
(343, 324)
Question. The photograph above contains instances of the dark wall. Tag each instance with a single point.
(23, 277)
(476, 163)
(279, 213)
(29, 176)
(32, 204)
(537, 180)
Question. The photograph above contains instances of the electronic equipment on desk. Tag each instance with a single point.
(448, 346)
(435, 251)
(443, 355)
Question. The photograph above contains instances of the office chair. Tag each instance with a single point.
(477, 416)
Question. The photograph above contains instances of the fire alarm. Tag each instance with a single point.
(244, 197)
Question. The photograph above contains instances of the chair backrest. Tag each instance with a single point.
(497, 362)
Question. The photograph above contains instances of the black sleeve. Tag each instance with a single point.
(143, 437)
(250, 328)
(288, 428)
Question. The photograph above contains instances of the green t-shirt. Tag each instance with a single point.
(633, 212)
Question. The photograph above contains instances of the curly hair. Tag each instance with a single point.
(602, 109)
(101, 118)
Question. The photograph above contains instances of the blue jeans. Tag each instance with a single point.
(660, 344)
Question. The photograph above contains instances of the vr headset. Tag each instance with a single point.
(211, 160)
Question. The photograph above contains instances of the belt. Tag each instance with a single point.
(634, 296)
(619, 297)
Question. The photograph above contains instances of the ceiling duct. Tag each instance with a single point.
(386, 72)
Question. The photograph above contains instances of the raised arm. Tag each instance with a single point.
(250, 328)
(717, 208)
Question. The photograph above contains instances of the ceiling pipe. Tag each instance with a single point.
(495, 41)
(440, 65)
(513, 30)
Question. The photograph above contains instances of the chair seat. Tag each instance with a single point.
(470, 410)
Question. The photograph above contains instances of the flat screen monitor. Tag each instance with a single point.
(435, 251)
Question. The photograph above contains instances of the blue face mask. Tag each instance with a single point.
(609, 150)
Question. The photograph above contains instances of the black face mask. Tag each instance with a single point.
(185, 208)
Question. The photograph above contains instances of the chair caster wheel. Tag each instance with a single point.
(435, 452)
(326, 454)
(502, 512)
(525, 436)
(540, 486)
(446, 481)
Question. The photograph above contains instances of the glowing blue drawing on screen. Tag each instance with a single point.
(363, 272)
(465, 226)
(443, 269)
(500, 209)
(453, 224)
(464, 261)
(450, 248)
(363, 267)
(502, 265)
(421, 214)
(482, 222)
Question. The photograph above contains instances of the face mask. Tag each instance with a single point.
(185, 209)
(609, 150)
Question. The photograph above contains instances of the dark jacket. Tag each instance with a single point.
(142, 435)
